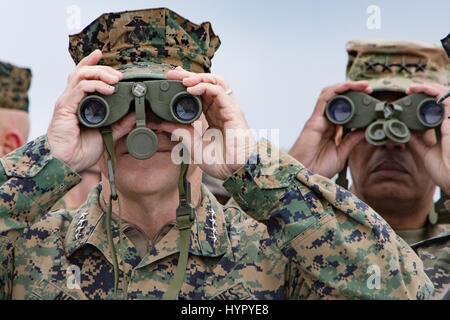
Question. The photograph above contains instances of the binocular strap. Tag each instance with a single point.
(342, 178)
(444, 97)
(109, 146)
(185, 221)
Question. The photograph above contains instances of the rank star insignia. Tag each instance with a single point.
(421, 66)
(212, 220)
(81, 225)
(370, 65)
(403, 66)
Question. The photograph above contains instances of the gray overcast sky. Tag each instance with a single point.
(276, 55)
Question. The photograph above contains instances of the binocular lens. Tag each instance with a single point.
(186, 108)
(93, 111)
(340, 111)
(431, 113)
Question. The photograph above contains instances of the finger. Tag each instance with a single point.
(92, 59)
(83, 88)
(418, 146)
(91, 86)
(210, 91)
(432, 90)
(332, 91)
(179, 74)
(348, 143)
(354, 86)
(124, 126)
(103, 73)
(207, 78)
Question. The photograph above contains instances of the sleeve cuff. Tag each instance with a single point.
(30, 160)
(267, 169)
(27, 161)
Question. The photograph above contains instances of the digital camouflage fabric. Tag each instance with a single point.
(293, 235)
(147, 41)
(418, 235)
(394, 65)
(14, 85)
(435, 254)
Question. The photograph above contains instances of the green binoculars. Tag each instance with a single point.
(385, 121)
(168, 100)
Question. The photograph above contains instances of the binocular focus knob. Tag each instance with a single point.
(375, 133)
(397, 131)
(139, 90)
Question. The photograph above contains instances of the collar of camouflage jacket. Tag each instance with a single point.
(209, 236)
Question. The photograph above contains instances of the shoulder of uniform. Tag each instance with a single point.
(233, 213)
(443, 237)
(53, 221)
(238, 221)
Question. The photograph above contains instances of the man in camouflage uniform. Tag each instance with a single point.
(14, 121)
(294, 235)
(397, 180)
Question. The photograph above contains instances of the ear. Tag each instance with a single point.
(10, 141)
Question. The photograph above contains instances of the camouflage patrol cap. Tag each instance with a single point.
(147, 42)
(394, 65)
(14, 85)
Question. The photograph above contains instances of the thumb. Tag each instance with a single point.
(418, 146)
(124, 126)
(347, 144)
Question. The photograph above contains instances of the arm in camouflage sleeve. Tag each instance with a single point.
(6, 257)
(339, 243)
(35, 182)
(3, 176)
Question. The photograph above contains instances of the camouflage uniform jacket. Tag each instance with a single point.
(435, 254)
(295, 235)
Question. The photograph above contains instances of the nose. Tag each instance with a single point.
(391, 145)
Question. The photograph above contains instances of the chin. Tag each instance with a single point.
(388, 191)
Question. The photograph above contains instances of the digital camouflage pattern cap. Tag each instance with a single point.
(14, 85)
(394, 65)
(147, 42)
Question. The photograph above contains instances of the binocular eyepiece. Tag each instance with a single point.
(168, 100)
(385, 121)
(94, 110)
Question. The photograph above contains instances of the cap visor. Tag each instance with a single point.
(148, 70)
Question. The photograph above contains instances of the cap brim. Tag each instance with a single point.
(149, 70)
(390, 84)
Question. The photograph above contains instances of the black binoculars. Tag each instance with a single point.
(168, 100)
(385, 121)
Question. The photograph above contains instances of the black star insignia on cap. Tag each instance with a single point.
(370, 65)
(420, 66)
